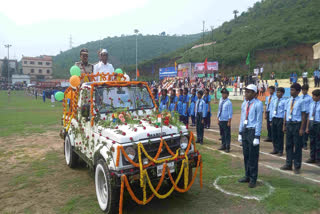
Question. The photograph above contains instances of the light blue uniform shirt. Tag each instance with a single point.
(207, 99)
(307, 99)
(254, 116)
(298, 108)
(316, 73)
(163, 103)
(192, 106)
(184, 105)
(314, 115)
(278, 112)
(180, 102)
(201, 104)
(274, 96)
(224, 110)
(173, 102)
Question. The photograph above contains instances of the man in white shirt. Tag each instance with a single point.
(103, 66)
(305, 78)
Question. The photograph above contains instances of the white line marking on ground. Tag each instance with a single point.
(307, 164)
(258, 198)
(267, 166)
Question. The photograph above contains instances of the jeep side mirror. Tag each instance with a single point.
(85, 111)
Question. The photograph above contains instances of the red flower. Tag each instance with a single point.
(180, 132)
(157, 126)
(148, 116)
(85, 148)
(126, 124)
(116, 127)
(92, 135)
(131, 138)
(113, 142)
(144, 128)
(104, 118)
(170, 127)
(107, 138)
(79, 143)
(135, 129)
(140, 122)
(129, 100)
(123, 133)
(148, 134)
(119, 98)
(141, 108)
(87, 137)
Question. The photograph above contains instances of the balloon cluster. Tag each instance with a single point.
(74, 82)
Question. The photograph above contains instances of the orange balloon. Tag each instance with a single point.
(74, 81)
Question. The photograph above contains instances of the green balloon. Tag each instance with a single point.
(118, 71)
(75, 70)
(59, 96)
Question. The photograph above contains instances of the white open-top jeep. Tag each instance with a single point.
(115, 127)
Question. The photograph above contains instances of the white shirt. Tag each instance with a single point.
(241, 85)
(305, 74)
(103, 68)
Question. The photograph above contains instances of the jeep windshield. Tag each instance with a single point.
(109, 99)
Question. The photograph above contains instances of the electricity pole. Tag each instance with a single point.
(136, 31)
(8, 46)
(203, 34)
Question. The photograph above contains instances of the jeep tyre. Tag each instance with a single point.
(107, 194)
(70, 155)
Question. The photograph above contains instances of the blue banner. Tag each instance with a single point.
(167, 72)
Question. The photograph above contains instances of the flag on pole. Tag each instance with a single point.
(138, 73)
(248, 59)
(175, 66)
(206, 64)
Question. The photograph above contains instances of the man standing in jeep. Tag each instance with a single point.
(84, 66)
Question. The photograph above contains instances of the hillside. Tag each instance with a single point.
(269, 30)
(122, 50)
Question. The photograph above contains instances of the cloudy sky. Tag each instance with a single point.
(37, 27)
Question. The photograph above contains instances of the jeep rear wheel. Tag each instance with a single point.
(107, 194)
(70, 156)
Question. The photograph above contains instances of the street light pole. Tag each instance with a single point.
(136, 31)
(8, 46)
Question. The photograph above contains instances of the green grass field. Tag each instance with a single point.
(22, 114)
(54, 188)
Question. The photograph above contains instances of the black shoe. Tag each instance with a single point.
(222, 148)
(305, 147)
(201, 142)
(268, 140)
(296, 171)
(280, 154)
(286, 167)
(227, 150)
(310, 161)
(252, 185)
(220, 138)
(273, 152)
(197, 141)
(244, 180)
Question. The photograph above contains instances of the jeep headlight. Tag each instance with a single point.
(184, 143)
(131, 152)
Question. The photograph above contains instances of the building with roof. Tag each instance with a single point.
(38, 68)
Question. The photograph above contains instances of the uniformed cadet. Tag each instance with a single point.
(84, 65)
(180, 104)
(269, 99)
(173, 101)
(313, 128)
(156, 96)
(207, 99)
(224, 118)
(249, 134)
(200, 115)
(164, 100)
(277, 111)
(293, 126)
(193, 101)
(307, 99)
(185, 107)
(103, 66)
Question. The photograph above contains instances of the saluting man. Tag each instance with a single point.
(277, 111)
(224, 117)
(249, 134)
(313, 128)
(267, 114)
(293, 125)
(84, 65)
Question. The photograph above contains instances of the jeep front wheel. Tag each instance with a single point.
(107, 194)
